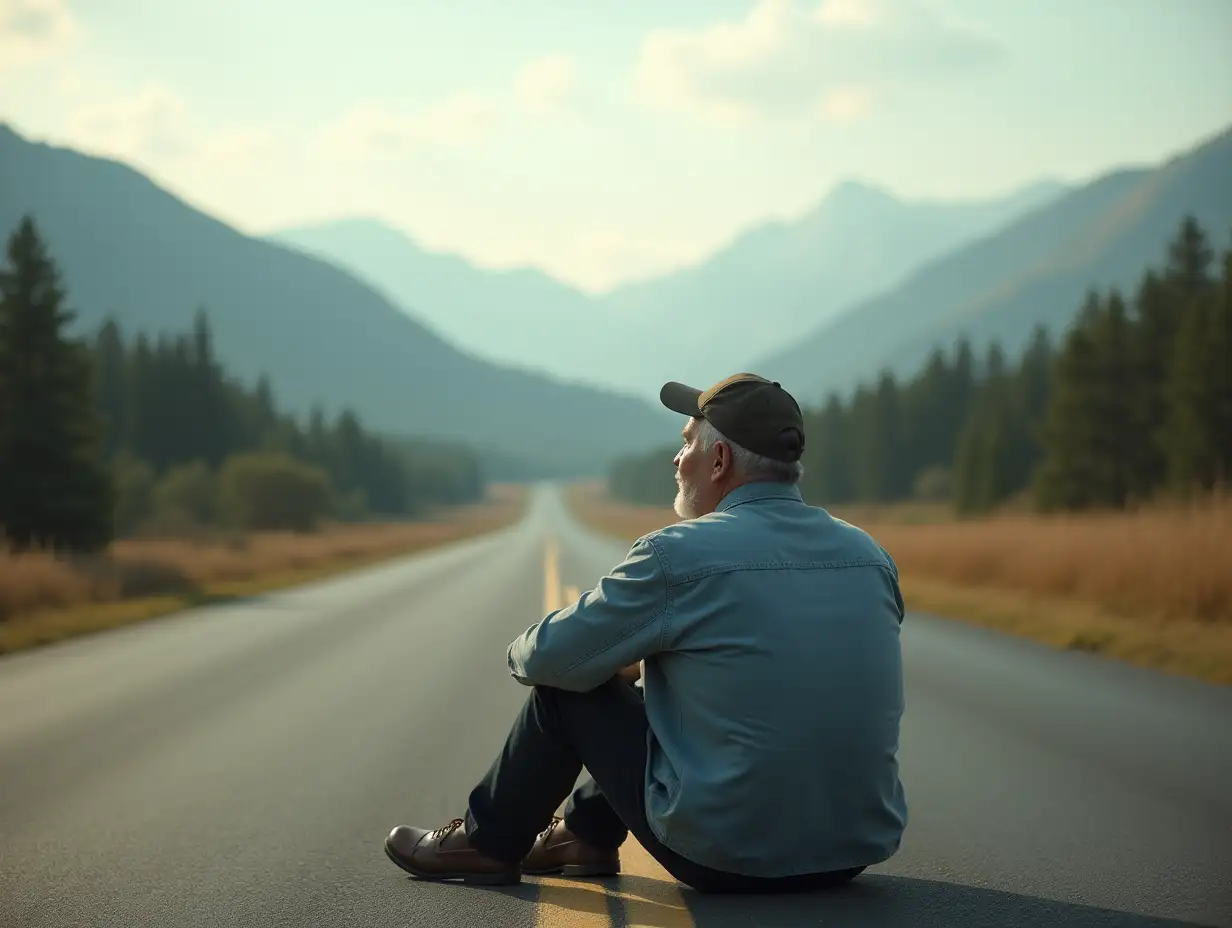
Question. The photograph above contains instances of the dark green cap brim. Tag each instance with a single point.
(681, 398)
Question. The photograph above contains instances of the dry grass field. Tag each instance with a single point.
(1152, 587)
(43, 599)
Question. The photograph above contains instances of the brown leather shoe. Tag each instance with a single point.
(558, 850)
(445, 854)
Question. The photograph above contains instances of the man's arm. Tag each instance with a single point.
(609, 628)
(898, 592)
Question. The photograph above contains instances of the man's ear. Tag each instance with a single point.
(722, 462)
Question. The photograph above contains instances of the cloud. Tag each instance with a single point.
(234, 148)
(463, 119)
(34, 30)
(150, 123)
(547, 86)
(846, 104)
(783, 59)
(153, 126)
(373, 130)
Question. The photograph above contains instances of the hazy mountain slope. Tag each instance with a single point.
(521, 316)
(1036, 270)
(753, 296)
(129, 248)
(692, 324)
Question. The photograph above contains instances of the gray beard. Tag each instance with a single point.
(686, 505)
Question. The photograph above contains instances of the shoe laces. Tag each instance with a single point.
(557, 821)
(445, 830)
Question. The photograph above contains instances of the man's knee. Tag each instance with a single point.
(571, 713)
(554, 702)
(554, 695)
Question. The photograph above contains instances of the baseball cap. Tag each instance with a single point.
(752, 411)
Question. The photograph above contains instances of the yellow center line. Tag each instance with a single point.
(571, 903)
(645, 894)
(564, 903)
(551, 576)
(649, 895)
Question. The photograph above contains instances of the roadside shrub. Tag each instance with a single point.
(187, 496)
(134, 485)
(272, 491)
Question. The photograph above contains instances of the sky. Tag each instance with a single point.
(607, 142)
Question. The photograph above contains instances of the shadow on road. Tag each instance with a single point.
(873, 901)
(876, 900)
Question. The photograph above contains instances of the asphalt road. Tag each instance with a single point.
(240, 765)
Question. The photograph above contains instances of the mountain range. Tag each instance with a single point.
(126, 247)
(554, 381)
(521, 317)
(696, 324)
(862, 283)
(1034, 271)
(781, 279)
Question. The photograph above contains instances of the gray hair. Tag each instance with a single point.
(748, 464)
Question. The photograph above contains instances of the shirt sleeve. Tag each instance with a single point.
(618, 623)
(895, 582)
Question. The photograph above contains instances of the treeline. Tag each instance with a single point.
(1135, 402)
(113, 435)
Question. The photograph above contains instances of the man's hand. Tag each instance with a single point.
(632, 673)
(589, 642)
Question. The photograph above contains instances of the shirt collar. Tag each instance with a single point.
(765, 489)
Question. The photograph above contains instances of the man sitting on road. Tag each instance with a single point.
(761, 755)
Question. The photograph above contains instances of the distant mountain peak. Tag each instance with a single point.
(1033, 270)
(857, 190)
(855, 197)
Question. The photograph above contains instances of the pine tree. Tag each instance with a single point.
(963, 385)
(110, 379)
(55, 491)
(1188, 270)
(140, 431)
(894, 480)
(982, 464)
(827, 458)
(970, 457)
(1113, 418)
(1030, 404)
(1199, 397)
(1155, 323)
(875, 462)
(212, 435)
(1222, 373)
(267, 412)
(927, 440)
(1071, 469)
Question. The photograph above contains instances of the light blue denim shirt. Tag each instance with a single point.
(773, 682)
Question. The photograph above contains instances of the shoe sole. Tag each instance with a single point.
(479, 879)
(575, 870)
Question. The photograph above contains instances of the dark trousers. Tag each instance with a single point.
(557, 733)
